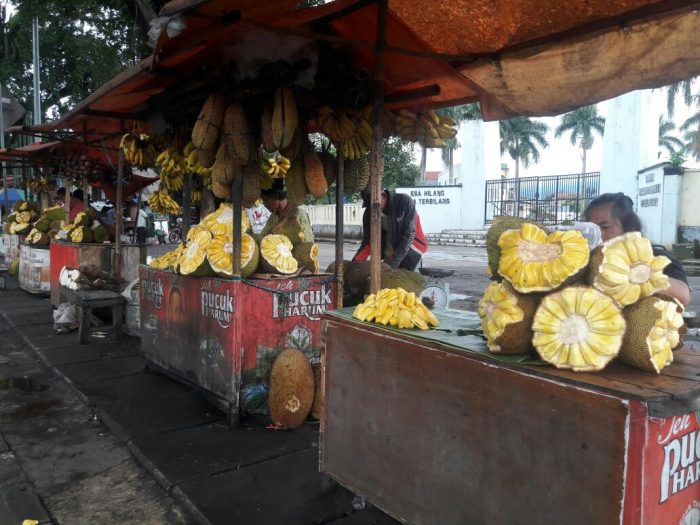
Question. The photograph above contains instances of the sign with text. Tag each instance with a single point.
(438, 206)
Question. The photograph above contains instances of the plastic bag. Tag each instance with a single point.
(127, 291)
(66, 317)
(590, 231)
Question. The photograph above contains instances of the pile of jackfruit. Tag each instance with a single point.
(396, 307)
(21, 219)
(578, 309)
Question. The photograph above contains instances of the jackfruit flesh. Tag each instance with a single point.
(167, 260)
(220, 255)
(626, 269)
(533, 261)
(276, 252)
(500, 313)
(193, 259)
(578, 328)
(220, 222)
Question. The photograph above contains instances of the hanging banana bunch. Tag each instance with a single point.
(427, 128)
(350, 131)
(172, 168)
(161, 202)
(192, 165)
(275, 167)
(139, 151)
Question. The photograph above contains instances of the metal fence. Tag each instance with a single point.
(549, 200)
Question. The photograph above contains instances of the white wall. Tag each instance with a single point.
(437, 206)
(658, 202)
(690, 199)
(630, 141)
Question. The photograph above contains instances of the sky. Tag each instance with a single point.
(561, 158)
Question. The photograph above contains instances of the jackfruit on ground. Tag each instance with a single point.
(220, 255)
(276, 255)
(533, 261)
(506, 318)
(626, 269)
(652, 332)
(578, 328)
(291, 389)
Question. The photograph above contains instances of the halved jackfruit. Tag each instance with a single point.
(220, 255)
(652, 333)
(306, 254)
(626, 269)
(578, 328)
(221, 221)
(533, 261)
(506, 319)
(276, 255)
(193, 259)
(167, 261)
(500, 224)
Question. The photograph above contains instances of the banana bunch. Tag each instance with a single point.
(172, 168)
(161, 202)
(275, 168)
(196, 196)
(192, 164)
(428, 128)
(396, 307)
(351, 132)
(139, 151)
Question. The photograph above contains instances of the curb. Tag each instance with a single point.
(116, 429)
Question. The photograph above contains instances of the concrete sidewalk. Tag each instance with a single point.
(247, 475)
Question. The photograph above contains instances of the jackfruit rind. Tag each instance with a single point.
(506, 319)
(400, 278)
(533, 261)
(500, 224)
(578, 328)
(652, 333)
(81, 234)
(55, 213)
(291, 228)
(291, 388)
(276, 255)
(306, 254)
(193, 259)
(43, 224)
(626, 269)
(220, 255)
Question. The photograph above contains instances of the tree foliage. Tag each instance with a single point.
(522, 138)
(581, 124)
(399, 167)
(83, 44)
(667, 140)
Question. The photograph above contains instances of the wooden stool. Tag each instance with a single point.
(89, 299)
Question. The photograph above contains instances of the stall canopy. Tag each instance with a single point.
(523, 57)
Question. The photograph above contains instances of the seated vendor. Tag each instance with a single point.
(76, 204)
(275, 200)
(614, 214)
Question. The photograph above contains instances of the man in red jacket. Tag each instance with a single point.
(403, 240)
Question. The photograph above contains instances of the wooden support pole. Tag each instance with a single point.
(375, 177)
(5, 190)
(118, 216)
(186, 205)
(339, 225)
(237, 198)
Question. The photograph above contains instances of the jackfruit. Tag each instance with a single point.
(400, 278)
(236, 134)
(355, 175)
(652, 333)
(296, 186)
(251, 185)
(20, 228)
(313, 175)
(55, 213)
(220, 191)
(221, 221)
(81, 234)
(506, 319)
(533, 261)
(207, 157)
(285, 117)
(266, 130)
(100, 234)
(500, 224)
(578, 328)
(37, 238)
(291, 388)
(626, 269)
(396, 307)
(306, 254)
(276, 255)
(330, 166)
(292, 151)
(206, 130)
(220, 255)
(291, 228)
(193, 259)
(167, 261)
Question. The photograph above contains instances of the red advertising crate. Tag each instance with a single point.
(223, 335)
(101, 255)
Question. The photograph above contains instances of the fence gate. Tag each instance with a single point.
(557, 199)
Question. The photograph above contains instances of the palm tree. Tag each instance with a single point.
(521, 137)
(666, 140)
(460, 114)
(582, 123)
(691, 135)
(684, 87)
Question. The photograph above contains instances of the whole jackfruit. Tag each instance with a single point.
(506, 319)
(652, 332)
(313, 175)
(55, 213)
(81, 234)
(276, 255)
(355, 175)
(296, 185)
(206, 130)
(578, 328)
(626, 269)
(285, 117)
(291, 389)
(533, 261)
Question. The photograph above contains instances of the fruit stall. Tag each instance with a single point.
(419, 418)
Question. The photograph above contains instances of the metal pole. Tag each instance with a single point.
(186, 205)
(375, 177)
(136, 222)
(236, 198)
(118, 216)
(2, 145)
(339, 225)
(37, 82)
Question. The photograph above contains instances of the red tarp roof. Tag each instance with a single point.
(514, 56)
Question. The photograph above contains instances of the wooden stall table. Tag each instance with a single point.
(435, 431)
(87, 300)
